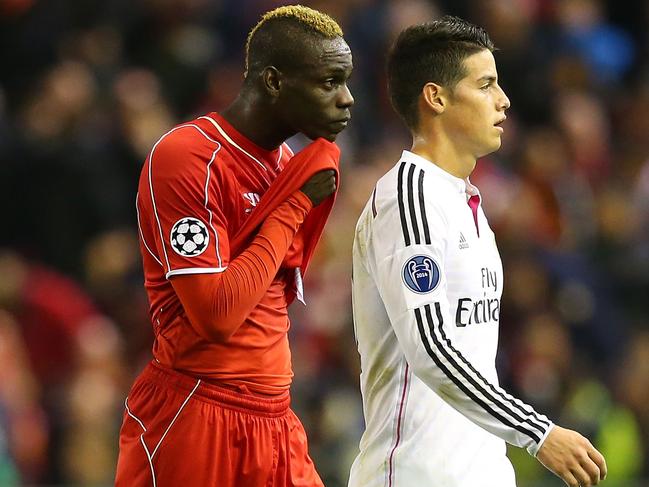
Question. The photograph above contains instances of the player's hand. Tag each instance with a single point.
(572, 457)
(321, 185)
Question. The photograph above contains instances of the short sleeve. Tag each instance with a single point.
(190, 228)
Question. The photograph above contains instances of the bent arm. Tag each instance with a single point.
(217, 304)
(437, 360)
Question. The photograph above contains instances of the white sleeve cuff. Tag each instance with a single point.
(195, 270)
(534, 448)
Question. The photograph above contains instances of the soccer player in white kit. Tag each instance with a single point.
(427, 282)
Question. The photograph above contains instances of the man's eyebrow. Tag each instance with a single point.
(336, 69)
(488, 77)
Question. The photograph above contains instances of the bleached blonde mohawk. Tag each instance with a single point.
(308, 17)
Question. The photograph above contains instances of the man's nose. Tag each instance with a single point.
(346, 99)
(504, 101)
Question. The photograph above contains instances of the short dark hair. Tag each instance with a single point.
(280, 35)
(430, 52)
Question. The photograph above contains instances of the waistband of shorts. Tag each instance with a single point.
(222, 396)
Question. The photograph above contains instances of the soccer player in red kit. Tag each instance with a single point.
(212, 408)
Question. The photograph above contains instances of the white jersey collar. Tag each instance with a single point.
(460, 185)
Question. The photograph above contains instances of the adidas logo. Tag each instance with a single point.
(463, 243)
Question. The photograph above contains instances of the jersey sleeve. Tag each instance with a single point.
(217, 305)
(411, 276)
(190, 227)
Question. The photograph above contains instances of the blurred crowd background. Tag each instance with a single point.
(86, 88)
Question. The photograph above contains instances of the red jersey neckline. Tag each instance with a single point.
(263, 154)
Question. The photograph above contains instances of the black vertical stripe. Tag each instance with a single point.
(374, 202)
(536, 418)
(402, 211)
(471, 380)
(422, 207)
(459, 383)
(411, 203)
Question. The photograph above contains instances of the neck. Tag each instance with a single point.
(435, 146)
(255, 119)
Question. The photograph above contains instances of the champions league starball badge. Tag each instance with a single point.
(421, 274)
(189, 237)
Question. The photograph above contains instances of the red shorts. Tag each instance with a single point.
(180, 431)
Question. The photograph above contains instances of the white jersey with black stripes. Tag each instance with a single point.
(427, 283)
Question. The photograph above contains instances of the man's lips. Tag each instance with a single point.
(340, 124)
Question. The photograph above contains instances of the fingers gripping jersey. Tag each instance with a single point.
(427, 282)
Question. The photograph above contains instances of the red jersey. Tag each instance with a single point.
(198, 185)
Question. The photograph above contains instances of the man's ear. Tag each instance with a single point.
(272, 80)
(433, 98)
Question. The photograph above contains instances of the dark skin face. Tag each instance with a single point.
(310, 96)
(314, 98)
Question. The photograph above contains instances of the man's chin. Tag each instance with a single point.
(485, 152)
(330, 136)
(496, 145)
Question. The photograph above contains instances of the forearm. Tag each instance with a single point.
(217, 304)
(440, 363)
